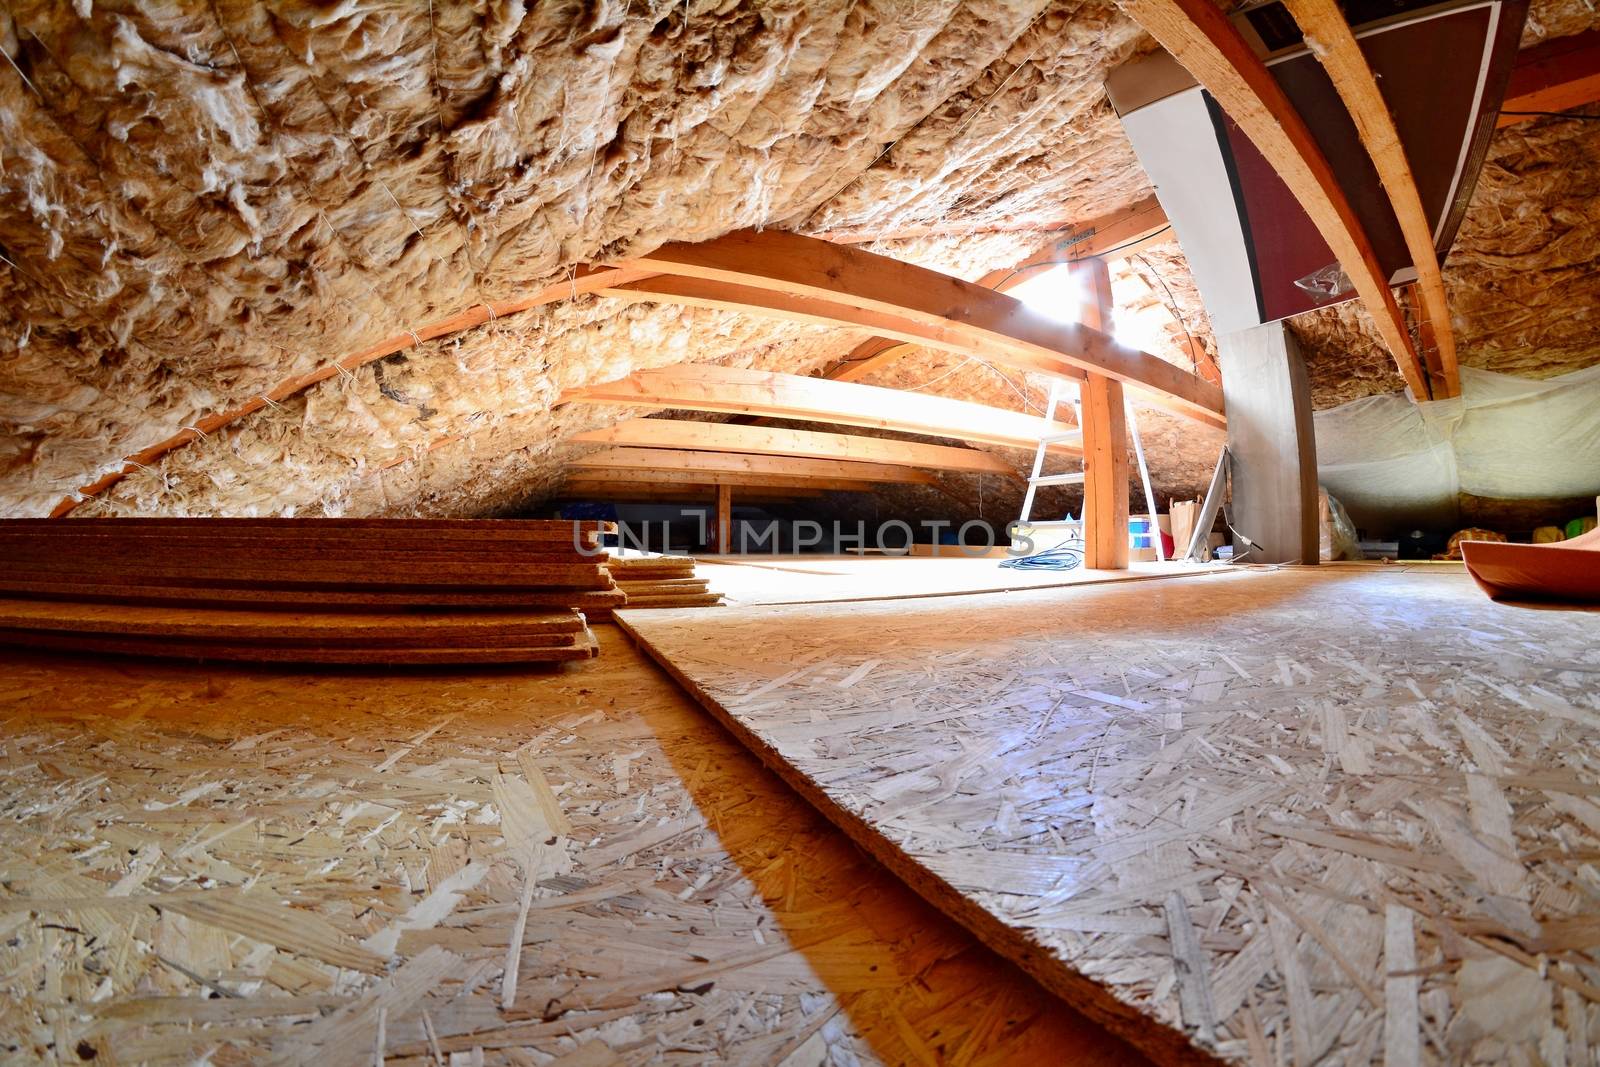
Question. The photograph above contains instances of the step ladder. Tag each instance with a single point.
(1038, 477)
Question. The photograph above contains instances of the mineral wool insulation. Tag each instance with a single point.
(202, 199)
(199, 200)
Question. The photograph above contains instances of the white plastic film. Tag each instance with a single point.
(1391, 461)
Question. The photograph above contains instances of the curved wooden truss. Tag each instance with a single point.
(1336, 47)
(809, 280)
(795, 277)
(1118, 235)
(1555, 76)
(1200, 37)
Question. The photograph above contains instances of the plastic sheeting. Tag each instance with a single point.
(1392, 461)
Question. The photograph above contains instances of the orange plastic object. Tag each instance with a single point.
(1567, 572)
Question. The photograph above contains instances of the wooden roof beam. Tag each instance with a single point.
(1114, 236)
(1122, 231)
(869, 357)
(577, 488)
(1555, 76)
(739, 391)
(1201, 38)
(729, 296)
(659, 460)
(802, 444)
(1334, 44)
(812, 280)
(772, 482)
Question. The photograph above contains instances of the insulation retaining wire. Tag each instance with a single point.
(1172, 306)
(1068, 262)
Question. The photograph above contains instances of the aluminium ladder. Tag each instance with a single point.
(1038, 477)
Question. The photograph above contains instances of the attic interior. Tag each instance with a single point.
(972, 532)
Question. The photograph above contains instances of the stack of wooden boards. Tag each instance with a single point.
(392, 591)
(660, 582)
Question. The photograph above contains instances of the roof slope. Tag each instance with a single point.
(200, 200)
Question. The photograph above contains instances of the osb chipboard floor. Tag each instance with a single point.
(805, 579)
(229, 865)
(1282, 817)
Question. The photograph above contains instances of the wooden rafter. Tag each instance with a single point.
(658, 460)
(729, 296)
(1113, 236)
(1000, 331)
(738, 391)
(802, 444)
(868, 357)
(1554, 76)
(1201, 38)
(1095, 237)
(1331, 40)
(811, 280)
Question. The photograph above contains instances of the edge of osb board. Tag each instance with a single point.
(1087, 997)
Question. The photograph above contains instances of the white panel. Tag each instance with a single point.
(1177, 144)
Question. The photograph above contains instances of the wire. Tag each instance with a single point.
(1172, 305)
(963, 365)
(1068, 262)
(1550, 115)
(1064, 557)
(969, 361)
(1026, 403)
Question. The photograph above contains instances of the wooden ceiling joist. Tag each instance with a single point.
(677, 460)
(1334, 44)
(899, 330)
(796, 277)
(1198, 34)
(576, 487)
(770, 482)
(800, 444)
(811, 280)
(1113, 236)
(739, 391)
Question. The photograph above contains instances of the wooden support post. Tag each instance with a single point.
(1105, 475)
(724, 518)
(1105, 437)
(1272, 444)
